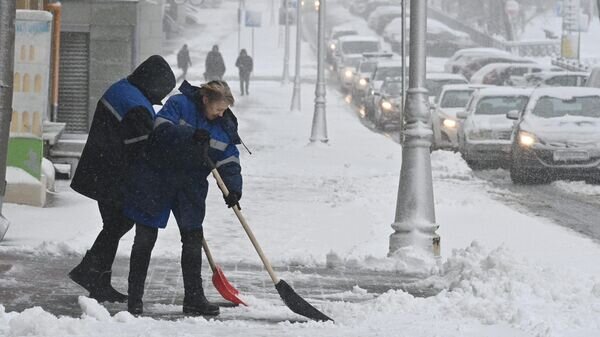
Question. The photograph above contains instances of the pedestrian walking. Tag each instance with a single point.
(214, 65)
(122, 121)
(192, 125)
(245, 66)
(183, 61)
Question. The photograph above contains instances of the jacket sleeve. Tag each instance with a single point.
(230, 169)
(134, 129)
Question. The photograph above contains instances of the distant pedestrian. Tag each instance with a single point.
(214, 65)
(123, 120)
(245, 65)
(183, 61)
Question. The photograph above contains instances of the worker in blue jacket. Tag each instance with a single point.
(195, 123)
(123, 119)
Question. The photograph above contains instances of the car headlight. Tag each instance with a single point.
(317, 4)
(362, 82)
(386, 105)
(332, 46)
(348, 73)
(449, 123)
(527, 139)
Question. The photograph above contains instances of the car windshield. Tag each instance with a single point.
(500, 105)
(351, 62)
(549, 107)
(367, 67)
(382, 73)
(359, 47)
(456, 98)
(435, 86)
(392, 88)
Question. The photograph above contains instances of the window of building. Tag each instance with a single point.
(26, 122)
(23, 54)
(17, 82)
(26, 83)
(37, 84)
(31, 53)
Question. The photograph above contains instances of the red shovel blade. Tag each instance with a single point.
(225, 288)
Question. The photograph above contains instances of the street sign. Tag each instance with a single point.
(253, 18)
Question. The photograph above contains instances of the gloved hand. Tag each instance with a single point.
(232, 199)
(201, 136)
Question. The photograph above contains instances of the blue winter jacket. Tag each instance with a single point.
(174, 175)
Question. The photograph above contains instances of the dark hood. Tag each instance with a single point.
(154, 78)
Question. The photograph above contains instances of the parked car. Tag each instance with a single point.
(374, 4)
(463, 56)
(485, 135)
(362, 75)
(557, 135)
(510, 74)
(346, 70)
(479, 62)
(556, 79)
(335, 33)
(354, 44)
(452, 99)
(383, 70)
(381, 16)
(435, 81)
(388, 104)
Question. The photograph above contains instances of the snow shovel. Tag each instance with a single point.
(296, 303)
(220, 281)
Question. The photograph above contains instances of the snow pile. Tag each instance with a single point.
(578, 187)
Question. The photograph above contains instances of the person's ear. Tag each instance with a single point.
(204, 100)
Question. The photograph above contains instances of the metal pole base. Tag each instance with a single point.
(427, 241)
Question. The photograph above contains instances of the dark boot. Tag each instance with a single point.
(197, 304)
(104, 291)
(145, 238)
(194, 301)
(86, 273)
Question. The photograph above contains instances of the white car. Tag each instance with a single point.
(355, 44)
(512, 74)
(435, 81)
(346, 70)
(557, 135)
(452, 99)
(485, 136)
(556, 79)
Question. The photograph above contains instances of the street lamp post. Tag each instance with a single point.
(285, 78)
(414, 223)
(296, 95)
(7, 53)
(319, 123)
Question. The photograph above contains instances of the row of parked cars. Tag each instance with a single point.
(491, 106)
(539, 133)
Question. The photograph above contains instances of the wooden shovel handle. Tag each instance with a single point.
(246, 227)
(209, 256)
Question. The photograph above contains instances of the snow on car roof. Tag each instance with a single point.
(552, 73)
(565, 92)
(444, 76)
(504, 91)
(481, 50)
(348, 38)
(465, 86)
(387, 9)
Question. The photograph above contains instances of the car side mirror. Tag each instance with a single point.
(513, 114)
(462, 114)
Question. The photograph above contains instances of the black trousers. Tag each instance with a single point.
(191, 261)
(244, 83)
(115, 225)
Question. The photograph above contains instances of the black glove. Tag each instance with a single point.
(232, 199)
(201, 136)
